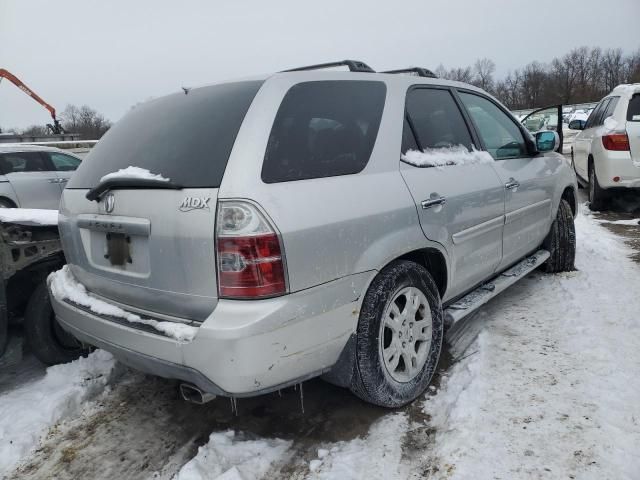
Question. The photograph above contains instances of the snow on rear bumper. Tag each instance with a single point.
(243, 348)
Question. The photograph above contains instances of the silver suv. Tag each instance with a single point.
(247, 236)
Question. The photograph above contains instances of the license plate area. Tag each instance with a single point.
(118, 249)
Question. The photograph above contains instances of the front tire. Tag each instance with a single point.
(597, 195)
(399, 336)
(48, 341)
(561, 241)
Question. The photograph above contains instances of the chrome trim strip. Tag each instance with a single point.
(477, 230)
(521, 212)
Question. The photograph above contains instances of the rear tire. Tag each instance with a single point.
(48, 341)
(4, 203)
(561, 241)
(597, 196)
(401, 318)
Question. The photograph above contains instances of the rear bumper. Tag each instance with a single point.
(618, 164)
(243, 348)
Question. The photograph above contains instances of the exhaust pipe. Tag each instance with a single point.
(193, 394)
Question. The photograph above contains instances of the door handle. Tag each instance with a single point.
(432, 202)
(63, 180)
(512, 184)
(53, 180)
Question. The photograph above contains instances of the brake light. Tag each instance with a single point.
(616, 141)
(250, 257)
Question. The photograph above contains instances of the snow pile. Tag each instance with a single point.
(134, 172)
(441, 157)
(26, 413)
(29, 215)
(379, 456)
(550, 388)
(65, 287)
(633, 221)
(232, 457)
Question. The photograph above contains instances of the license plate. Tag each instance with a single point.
(118, 251)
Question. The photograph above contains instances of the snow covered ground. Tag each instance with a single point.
(548, 389)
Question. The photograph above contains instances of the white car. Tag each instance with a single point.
(606, 153)
(34, 176)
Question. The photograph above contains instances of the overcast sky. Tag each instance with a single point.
(112, 54)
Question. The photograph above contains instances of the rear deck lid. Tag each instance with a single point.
(147, 240)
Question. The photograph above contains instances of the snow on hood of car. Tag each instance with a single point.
(65, 287)
(134, 172)
(29, 216)
(441, 157)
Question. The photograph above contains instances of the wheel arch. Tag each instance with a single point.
(434, 261)
(4, 198)
(569, 194)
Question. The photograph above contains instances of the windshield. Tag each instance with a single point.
(186, 138)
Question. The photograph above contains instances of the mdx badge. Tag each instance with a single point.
(109, 202)
(195, 203)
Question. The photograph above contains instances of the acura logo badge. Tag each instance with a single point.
(109, 202)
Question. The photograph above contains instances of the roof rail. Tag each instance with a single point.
(419, 71)
(354, 66)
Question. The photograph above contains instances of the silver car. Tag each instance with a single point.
(34, 176)
(250, 235)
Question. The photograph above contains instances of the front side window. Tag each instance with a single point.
(633, 112)
(324, 129)
(436, 119)
(63, 163)
(501, 136)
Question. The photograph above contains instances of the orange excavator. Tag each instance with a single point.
(56, 127)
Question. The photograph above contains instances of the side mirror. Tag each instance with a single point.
(577, 124)
(547, 141)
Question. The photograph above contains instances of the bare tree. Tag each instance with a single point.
(483, 71)
(86, 121)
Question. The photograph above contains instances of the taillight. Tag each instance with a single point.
(616, 141)
(250, 257)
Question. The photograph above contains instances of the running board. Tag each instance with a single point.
(481, 295)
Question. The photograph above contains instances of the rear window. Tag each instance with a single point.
(184, 137)
(324, 129)
(633, 112)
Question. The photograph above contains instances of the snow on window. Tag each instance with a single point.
(65, 287)
(134, 172)
(29, 216)
(445, 156)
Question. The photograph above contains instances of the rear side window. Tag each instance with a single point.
(436, 119)
(595, 119)
(324, 129)
(23, 162)
(633, 112)
(610, 108)
(186, 138)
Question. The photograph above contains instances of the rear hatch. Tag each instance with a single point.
(148, 244)
(633, 127)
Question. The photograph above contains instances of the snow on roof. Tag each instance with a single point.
(18, 147)
(134, 172)
(445, 156)
(29, 216)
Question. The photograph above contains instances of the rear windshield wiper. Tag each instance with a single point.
(125, 183)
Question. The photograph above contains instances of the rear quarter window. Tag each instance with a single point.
(324, 129)
(633, 111)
